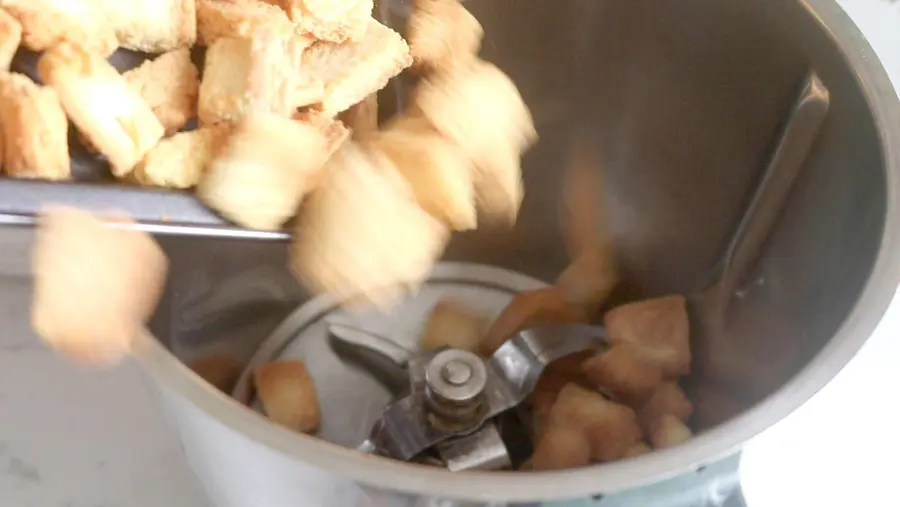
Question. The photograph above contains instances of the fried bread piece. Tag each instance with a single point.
(152, 26)
(451, 325)
(35, 130)
(610, 428)
(220, 370)
(638, 449)
(288, 395)
(10, 38)
(437, 170)
(248, 75)
(355, 69)
(94, 285)
(590, 278)
(264, 170)
(441, 34)
(329, 20)
(659, 326)
(479, 107)
(180, 161)
(625, 372)
(362, 118)
(45, 23)
(111, 115)
(170, 85)
(234, 19)
(668, 399)
(361, 235)
(531, 308)
(669, 431)
(561, 447)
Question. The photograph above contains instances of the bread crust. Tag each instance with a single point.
(180, 161)
(329, 20)
(153, 26)
(170, 85)
(10, 38)
(222, 18)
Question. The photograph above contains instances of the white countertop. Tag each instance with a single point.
(75, 438)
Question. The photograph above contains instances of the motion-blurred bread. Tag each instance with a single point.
(264, 171)
(668, 399)
(34, 128)
(94, 285)
(590, 278)
(180, 161)
(152, 26)
(10, 38)
(441, 34)
(45, 23)
(659, 327)
(451, 325)
(170, 85)
(362, 117)
(111, 115)
(288, 395)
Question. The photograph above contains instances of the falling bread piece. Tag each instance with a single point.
(625, 372)
(46, 23)
(659, 327)
(112, 116)
(361, 236)
(181, 160)
(288, 395)
(610, 428)
(668, 432)
(590, 278)
(530, 309)
(34, 128)
(94, 285)
(10, 38)
(561, 447)
(220, 370)
(451, 325)
(234, 19)
(441, 34)
(151, 26)
(170, 85)
(439, 172)
(263, 172)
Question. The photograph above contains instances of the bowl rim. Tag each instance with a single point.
(873, 301)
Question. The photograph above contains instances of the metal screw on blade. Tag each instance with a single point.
(455, 381)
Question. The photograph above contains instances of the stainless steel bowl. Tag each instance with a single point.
(677, 102)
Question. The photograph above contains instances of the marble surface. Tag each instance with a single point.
(75, 438)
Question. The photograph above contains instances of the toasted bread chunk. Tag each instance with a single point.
(561, 447)
(94, 286)
(528, 309)
(479, 107)
(669, 431)
(659, 326)
(153, 26)
(264, 170)
(113, 116)
(557, 375)
(451, 325)
(220, 370)
(329, 20)
(10, 38)
(170, 85)
(35, 130)
(361, 237)
(439, 172)
(180, 161)
(638, 449)
(288, 395)
(355, 69)
(45, 23)
(668, 399)
(244, 75)
(611, 428)
(625, 372)
(362, 118)
(441, 34)
(236, 19)
(590, 278)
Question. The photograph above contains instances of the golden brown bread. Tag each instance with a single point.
(659, 326)
(10, 38)
(264, 171)
(561, 447)
(438, 172)
(441, 34)
(625, 372)
(230, 18)
(249, 75)
(288, 395)
(85, 273)
(329, 20)
(35, 130)
(220, 370)
(669, 431)
(170, 85)
(180, 161)
(361, 235)
(355, 69)
(152, 26)
(45, 23)
(111, 115)
(451, 325)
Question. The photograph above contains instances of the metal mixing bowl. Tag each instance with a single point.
(678, 102)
